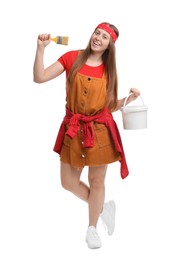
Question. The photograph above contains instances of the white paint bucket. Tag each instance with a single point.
(134, 117)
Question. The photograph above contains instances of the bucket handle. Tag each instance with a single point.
(127, 99)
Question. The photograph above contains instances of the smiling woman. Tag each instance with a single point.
(88, 135)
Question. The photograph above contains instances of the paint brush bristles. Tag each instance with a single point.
(60, 40)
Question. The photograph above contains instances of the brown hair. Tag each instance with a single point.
(109, 60)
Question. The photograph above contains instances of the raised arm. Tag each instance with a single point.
(41, 74)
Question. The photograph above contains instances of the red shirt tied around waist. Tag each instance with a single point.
(103, 117)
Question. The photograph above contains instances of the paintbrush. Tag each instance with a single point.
(60, 40)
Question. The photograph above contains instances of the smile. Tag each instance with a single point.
(96, 43)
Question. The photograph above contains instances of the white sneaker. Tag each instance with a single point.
(108, 216)
(92, 239)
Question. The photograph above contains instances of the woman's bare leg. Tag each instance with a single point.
(93, 194)
(70, 180)
(97, 193)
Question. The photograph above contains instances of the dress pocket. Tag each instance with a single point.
(103, 136)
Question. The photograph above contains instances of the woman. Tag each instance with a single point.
(88, 135)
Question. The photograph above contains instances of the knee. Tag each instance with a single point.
(96, 177)
(66, 184)
(96, 183)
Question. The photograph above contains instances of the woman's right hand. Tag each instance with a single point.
(44, 39)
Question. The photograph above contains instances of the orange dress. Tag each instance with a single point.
(87, 96)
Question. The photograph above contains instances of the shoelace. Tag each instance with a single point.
(92, 233)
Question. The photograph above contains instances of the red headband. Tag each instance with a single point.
(108, 29)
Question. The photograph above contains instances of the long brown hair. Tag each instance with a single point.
(109, 61)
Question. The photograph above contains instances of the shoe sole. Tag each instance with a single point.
(109, 229)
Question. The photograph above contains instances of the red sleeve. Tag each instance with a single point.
(67, 60)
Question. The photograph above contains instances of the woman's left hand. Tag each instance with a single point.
(134, 94)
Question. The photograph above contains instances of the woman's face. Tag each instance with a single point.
(100, 40)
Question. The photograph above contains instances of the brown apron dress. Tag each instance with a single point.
(87, 96)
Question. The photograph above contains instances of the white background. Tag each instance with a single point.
(39, 220)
